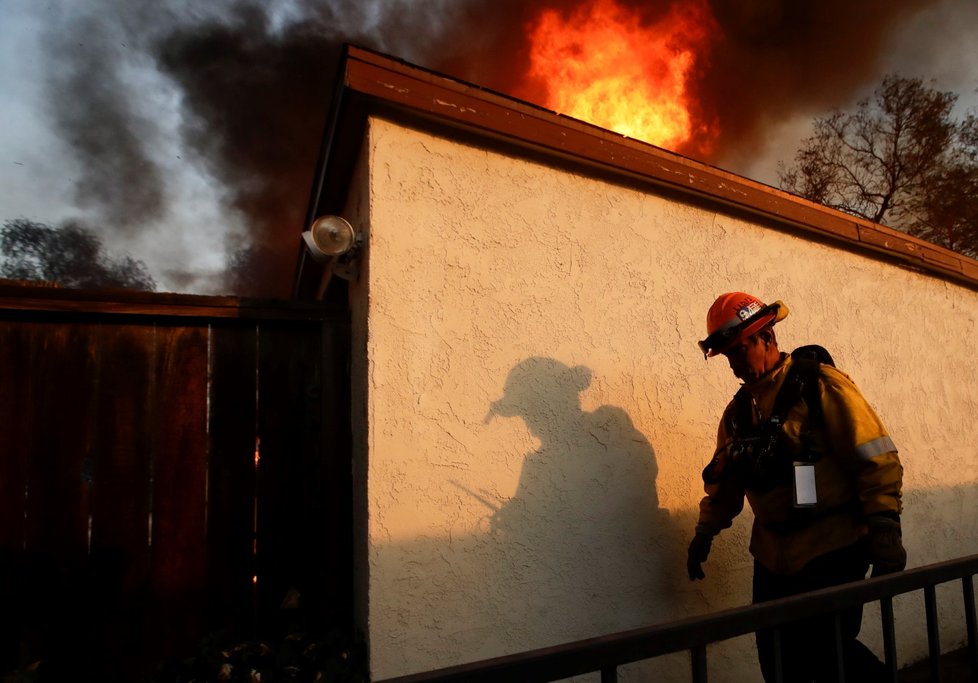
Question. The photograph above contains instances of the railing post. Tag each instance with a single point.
(605, 654)
(889, 637)
(933, 633)
(698, 657)
(969, 615)
(840, 660)
(778, 656)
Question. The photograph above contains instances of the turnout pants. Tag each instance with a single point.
(808, 646)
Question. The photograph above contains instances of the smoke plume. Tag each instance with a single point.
(254, 84)
(94, 111)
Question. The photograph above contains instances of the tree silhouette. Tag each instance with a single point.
(951, 200)
(70, 256)
(899, 159)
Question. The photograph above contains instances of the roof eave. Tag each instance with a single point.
(374, 83)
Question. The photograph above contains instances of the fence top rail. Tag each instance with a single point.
(594, 654)
(16, 298)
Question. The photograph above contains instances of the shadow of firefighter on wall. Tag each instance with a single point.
(586, 544)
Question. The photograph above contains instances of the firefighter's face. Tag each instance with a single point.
(749, 359)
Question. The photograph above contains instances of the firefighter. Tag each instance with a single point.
(820, 473)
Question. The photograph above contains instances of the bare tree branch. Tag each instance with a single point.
(70, 256)
(897, 158)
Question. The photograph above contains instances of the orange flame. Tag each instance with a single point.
(603, 65)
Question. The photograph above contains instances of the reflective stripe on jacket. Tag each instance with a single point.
(857, 473)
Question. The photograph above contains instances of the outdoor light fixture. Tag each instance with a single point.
(332, 241)
(329, 237)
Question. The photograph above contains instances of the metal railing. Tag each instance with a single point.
(605, 654)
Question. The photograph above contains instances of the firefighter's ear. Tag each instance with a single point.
(767, 336)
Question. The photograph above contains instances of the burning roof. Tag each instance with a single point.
(251, 85)
(373, 82)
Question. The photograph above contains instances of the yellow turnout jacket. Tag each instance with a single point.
(857, 474)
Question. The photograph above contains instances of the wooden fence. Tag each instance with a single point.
(170, 467)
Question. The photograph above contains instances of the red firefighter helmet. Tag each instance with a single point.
(735, 316)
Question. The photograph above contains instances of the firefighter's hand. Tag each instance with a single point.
(699, 550)
(885, 545)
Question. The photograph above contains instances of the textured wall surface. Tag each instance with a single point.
(534, 413)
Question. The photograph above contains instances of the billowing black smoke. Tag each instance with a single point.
(255, 80)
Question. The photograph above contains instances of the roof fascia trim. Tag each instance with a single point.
(392, 83)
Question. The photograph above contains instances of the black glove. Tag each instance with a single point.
(885, 544)
(699, 550)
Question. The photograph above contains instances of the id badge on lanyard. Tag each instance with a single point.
(805, 494)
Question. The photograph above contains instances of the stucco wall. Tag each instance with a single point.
(534, 413)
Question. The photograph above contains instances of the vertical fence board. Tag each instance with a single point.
(16, 348)
(121, 491)
(336, 443)
(291, 526)
(129, 490)
(16, 342)
(62, 375)
(231, 481)
(179, 494)
(52, 581)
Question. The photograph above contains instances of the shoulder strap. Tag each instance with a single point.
(801, 383)
(792, 390)
(740, 420)
(762, 465)
(803, 379)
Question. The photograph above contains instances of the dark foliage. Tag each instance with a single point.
(298, 658)
(900, 159)
(69, 256)
(301, 651)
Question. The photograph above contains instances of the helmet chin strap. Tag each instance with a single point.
(771, 360)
